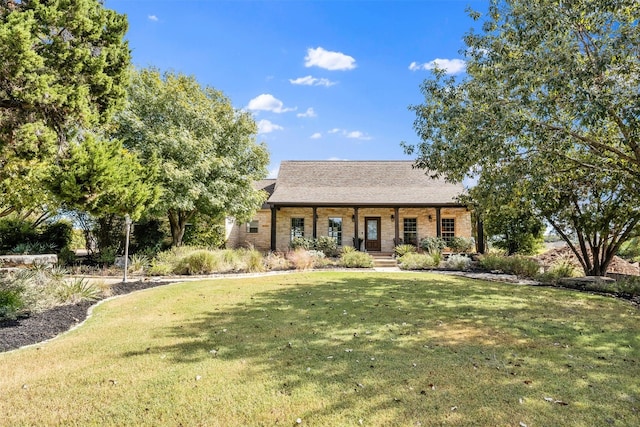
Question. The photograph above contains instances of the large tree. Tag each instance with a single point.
(207, 150)
(550, 101)
(64, 66)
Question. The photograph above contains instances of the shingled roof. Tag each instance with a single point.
(361, 183)
(267, 185)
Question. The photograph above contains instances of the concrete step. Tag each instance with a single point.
(383, 259)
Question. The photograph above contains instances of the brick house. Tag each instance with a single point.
(371, 204)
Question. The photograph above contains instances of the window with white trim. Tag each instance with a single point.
(448, 229)
(410, 231)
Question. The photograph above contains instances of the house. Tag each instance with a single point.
(372, 205)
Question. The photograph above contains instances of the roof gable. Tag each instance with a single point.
(341, 183)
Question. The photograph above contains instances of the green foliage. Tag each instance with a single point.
(302, 243)
(198, 262)
(65, 67)
(20, 237)
(458, 262)
(66, 256)
(348, 249)
(11, 302)
(560, 269)
(254, 262)
(100, 177)
(138, 263)
(206, 150)
(78, 290)
(15, 231)
(546, 113)
(149, 236)
(205, 231)
(416, 261)
(631, 249)
(401, 250)
(460, 244)
(433, 245)
(516, 264)
(327, 245)
(356, 259)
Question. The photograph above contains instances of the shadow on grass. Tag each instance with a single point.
(428, 349)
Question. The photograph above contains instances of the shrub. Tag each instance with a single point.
(416, 261)
(253, 261)
(57, 235)
(302, 243)
(198, 262)
(301, 259)
(460, 244)
(11, 302)
(160, 268)
(433, 244)
(327, 245)
(138, 263)
(401, 250)
(515, 264)
(348, 249)
(458, 262)
(66, 256)
(563, 267)
(14, 232)
(274, 261)
(78, 290)
(355, 259)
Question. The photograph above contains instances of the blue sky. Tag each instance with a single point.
(325, 79)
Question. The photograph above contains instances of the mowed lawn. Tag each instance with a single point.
(336, 349)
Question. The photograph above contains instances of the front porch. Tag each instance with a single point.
(376, 228)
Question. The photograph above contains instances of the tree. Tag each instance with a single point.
(101, 178)
(207, 151)
(550, 100)
(64, 67)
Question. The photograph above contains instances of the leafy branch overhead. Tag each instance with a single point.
(550, 102)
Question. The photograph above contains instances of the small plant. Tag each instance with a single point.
(348, 249)
(416, 261)
(355, 259)
(11, 301)
(516, 264)
(302, 243)
(275, 261)
(562, 268)
(199, 262)
(433, 245)
(254, 261)
(460, 245)
(327, 245)
(301, 259)
(138, 263)
(458, 262)
(160, 268)
(78, 290)
(402, 250)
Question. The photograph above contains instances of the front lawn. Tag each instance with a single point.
(336, 349)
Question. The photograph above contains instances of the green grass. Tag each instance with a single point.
(333, 349)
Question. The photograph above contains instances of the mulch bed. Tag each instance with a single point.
(50, 323)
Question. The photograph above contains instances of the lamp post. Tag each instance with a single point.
(127, 222)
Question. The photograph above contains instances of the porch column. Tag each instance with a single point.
(315, 222)
(355, 229)
(273, 227)
(438, 223)
(480, 240)
(397, 217)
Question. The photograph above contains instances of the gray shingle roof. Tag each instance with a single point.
(349, 183)
(267, 185)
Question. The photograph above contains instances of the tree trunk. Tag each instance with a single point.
(178, 221)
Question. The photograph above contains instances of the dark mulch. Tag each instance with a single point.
(46, 325)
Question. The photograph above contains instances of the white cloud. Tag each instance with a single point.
(312, 81)
(316, 135)
(153, 18)
(265, 126)
(328, 60)
(356, 134)
(308, 113)
(337, 159)
(267, 102)
(450, 66)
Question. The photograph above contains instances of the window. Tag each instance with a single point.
(297, 227)
(335, 230)
(448, 229)
(252, 227)
(410, 231)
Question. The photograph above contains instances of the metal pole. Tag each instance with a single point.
(127, 221)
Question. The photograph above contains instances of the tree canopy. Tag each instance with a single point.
(64, 67)
(206, 149)
(550, 101)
